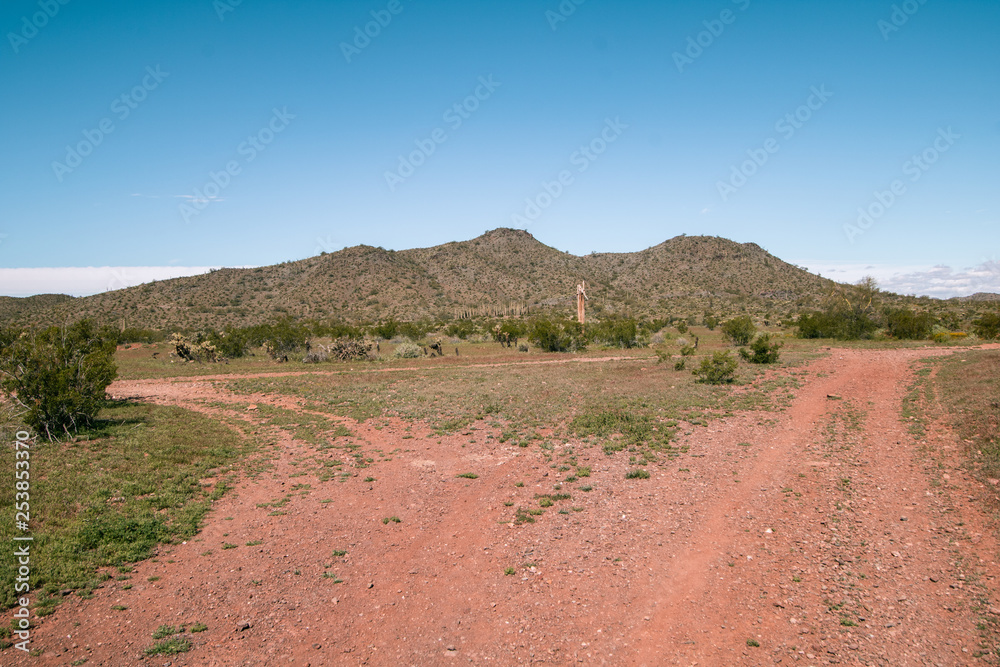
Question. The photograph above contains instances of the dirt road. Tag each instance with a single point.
(822, 534)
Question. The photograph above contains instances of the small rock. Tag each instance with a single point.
(240, 627)
(317, 646)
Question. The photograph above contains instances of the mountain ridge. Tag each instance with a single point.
(501, 271)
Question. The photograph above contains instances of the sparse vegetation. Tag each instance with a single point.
(57, 376)
(720, 368)
(762, 350)
(739, 330)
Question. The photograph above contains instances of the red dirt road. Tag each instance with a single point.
(825, 533)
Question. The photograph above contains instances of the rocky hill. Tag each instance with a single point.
(504, 271)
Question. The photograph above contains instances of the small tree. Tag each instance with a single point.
(987, 326)
(58, 376)
(739, 330)
(719, 369)
(762, 351)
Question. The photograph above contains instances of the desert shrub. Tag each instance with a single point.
(680, 365)
(739, 330)
(317, 356)
(762, 350)
(200, 350)
(408, 350)
(710, 322)
(720, 368)
(682, 327)
(687, 351)
(231, 343)
(461, 329)
(338, 330)
(557, 336)
(617, 332)
(508, 330)
(904, 323)
(385, 330)
(135, 335)
(987, 326)
(648, 327)
(815, 324)
(278, 338)
(350, 349)
(58, 376)
(414, 330)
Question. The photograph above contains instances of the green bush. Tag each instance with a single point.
(556, 336)
(762, 351)
(58, 375)
(385, 330)
(408, 350)
(231, 343)
(719, 369)
(904, 323)
(618, 332)
(461, 329)
(739, 330)
(987, 326)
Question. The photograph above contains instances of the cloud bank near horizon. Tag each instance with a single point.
(942, 282)
(87, 280)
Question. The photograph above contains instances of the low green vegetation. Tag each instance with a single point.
(108, 496)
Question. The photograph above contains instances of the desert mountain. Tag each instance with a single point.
(502, 271)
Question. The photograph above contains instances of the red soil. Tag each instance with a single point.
(751, 535)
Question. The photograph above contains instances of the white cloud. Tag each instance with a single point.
(83, 281)
(939, 281)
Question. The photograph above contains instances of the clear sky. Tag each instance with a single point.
(157, 136)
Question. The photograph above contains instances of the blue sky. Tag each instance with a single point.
(161, 138)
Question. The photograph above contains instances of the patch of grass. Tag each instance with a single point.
(468, 475)
(165, 631)
(369, 479)
(968, 385)
(339, 553)
(753, 643)
(255, 543)
(393, 519)
(638, 473)
(583, 471)
(509, 571)
(199, 627)
(171, 646)
(112, 493)
(227, 545)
